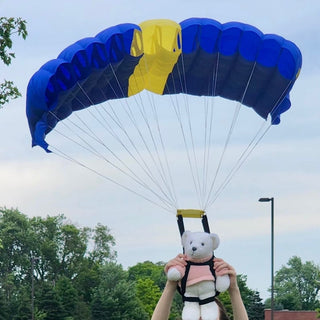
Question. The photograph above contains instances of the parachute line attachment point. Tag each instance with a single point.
(192, 213)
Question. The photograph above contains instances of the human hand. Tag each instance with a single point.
(223, 268)
(179, 260)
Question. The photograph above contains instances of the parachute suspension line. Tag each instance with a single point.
(142, 183)
(177, 109)
(245, 153)
(233, 122)
(205, 148)
(226, 144)
(131, 117)
(159, 163)
(207, 143)
(255, 141)
(162, 168)
(244, 156)
(89, 148)
(133, 176)
(167, 173)
(194, 158)
(209, 127)
(67, 157)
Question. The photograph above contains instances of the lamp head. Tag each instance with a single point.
(265, 199)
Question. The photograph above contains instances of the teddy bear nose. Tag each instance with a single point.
(194, 248)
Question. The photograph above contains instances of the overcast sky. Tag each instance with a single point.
(285, 165)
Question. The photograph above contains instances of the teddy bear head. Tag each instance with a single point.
(199, 245)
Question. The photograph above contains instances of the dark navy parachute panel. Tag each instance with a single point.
(238, 62)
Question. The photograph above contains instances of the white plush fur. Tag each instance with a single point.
(198, 246)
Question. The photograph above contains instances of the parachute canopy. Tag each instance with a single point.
(199, 57)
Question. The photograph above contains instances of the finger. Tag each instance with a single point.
(220, 265)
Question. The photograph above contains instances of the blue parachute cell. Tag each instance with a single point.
(82, 75)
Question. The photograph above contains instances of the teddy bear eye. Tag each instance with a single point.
(202, 243)
(190, 242)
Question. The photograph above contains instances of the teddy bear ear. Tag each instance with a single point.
(215, 240)
(184, 237)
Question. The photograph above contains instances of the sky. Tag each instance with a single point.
(285, 164)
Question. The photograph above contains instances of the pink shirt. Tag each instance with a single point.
(197, 273)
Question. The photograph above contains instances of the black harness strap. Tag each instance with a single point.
(182, 287)
(196, 299)
(204, 220)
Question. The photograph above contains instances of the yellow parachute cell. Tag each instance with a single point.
(162, 48)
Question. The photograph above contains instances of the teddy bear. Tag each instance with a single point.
(198, 282)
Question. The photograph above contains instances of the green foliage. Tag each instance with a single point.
(148, 293)
(50, 303)
(115, 297)
(64, 275)
(103, 241)
(149, 270)
(68, 296)
(251, 300)
(16, 242)
(3, 307)
(23, 309)
(76, 277)
(255, 307)
(8, 91)
(8, 28)
(297, 285)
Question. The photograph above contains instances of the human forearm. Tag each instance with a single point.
(162, 310)
(238, 308)
(222, 268)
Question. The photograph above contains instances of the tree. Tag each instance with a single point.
(103, 242)
(297, 285)
(148, 293)
(23, 304)
(68, 296)
(251, 300)
(149, 272)
(8, 28)
(50, 302)
(14, 255)
(3, 307)
(64, 273)
(115, 296)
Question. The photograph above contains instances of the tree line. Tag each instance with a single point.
(52, 269)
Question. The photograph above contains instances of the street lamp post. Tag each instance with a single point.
(272, 251)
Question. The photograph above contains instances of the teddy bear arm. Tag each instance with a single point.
(175, 273)
(222, 283)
